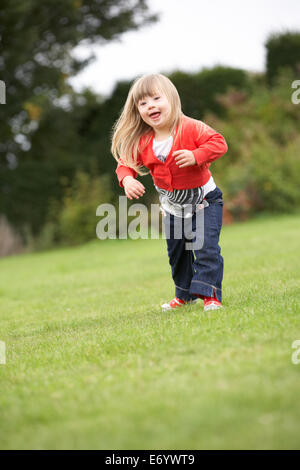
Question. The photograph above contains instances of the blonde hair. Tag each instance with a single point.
(130, 127)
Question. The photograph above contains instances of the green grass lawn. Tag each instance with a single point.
(93, 363)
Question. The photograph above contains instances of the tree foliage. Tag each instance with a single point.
(283, 51)
(36, 43)
(199, 91)
(50, 134)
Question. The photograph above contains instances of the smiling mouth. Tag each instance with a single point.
(154, 115)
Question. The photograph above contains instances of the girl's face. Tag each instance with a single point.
(155, 111)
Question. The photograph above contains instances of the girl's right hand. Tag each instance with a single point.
(133, 188)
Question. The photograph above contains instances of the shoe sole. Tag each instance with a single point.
(165, 307)
(212, 307)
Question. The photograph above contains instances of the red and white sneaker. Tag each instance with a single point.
(176, 303)
(211, 303)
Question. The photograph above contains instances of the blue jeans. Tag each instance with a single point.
(199, 271)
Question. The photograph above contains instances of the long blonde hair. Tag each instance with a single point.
(130, 127)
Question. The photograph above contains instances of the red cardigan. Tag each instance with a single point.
(205, 143)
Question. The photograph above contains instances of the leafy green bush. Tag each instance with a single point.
(74, 220)
(261, 169)
(199, 91)
(77, 220)
(283, 50)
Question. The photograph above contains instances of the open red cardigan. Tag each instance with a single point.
(206, 144)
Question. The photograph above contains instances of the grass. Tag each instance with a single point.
(92, 362)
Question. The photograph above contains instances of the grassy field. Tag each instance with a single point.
(93, 363)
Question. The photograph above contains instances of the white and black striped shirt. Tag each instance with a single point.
(179, 202)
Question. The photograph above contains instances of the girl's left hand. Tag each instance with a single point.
(184, 158)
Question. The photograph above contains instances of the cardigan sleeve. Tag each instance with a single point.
(210, 144)
(124, 170)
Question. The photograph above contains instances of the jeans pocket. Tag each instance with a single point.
(214, 196)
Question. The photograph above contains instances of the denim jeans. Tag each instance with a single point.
(199, 271)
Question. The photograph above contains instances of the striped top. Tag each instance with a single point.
(179, 202)
(183, 196)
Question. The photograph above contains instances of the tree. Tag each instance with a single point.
(283, 50)
(199, 91)
(36, 41)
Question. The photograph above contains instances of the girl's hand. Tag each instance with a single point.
(133, 188)
(184, 158)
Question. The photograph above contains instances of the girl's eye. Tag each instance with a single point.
(157, 97)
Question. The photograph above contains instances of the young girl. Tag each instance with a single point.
(153, 132)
